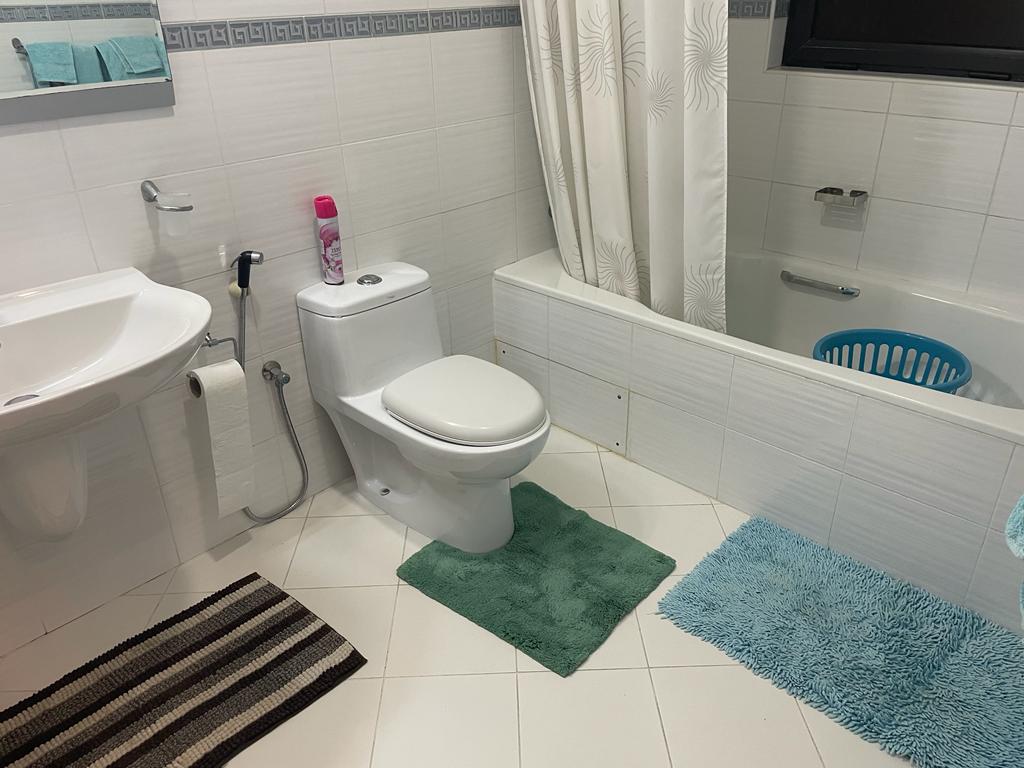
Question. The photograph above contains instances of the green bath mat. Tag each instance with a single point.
(555, 591)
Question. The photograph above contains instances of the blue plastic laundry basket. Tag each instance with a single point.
(897, 355)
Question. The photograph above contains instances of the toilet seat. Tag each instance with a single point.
(466, 401)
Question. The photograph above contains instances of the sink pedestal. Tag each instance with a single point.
(45, 486)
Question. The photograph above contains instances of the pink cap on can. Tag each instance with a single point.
(325, 207)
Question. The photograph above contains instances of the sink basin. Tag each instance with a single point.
(71, 353)
(76, 351)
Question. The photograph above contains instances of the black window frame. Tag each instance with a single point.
(803, 50)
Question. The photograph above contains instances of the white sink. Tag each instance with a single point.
(71, 353)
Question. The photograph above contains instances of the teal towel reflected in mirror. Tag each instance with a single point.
(87, 64)
(52, 64)
(132, 58)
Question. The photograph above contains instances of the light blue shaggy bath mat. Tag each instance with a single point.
(923, 678)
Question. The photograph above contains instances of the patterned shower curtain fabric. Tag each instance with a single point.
(630, 104)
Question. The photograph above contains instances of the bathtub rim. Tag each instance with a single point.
(543, 273)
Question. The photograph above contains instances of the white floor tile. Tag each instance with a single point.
(361, 614)
(563, 441)
(622, 650)
(602, 515)
(10, 698)
(600, 719)
(431, 639)
(631, 485)
(342, 500)
(336, 731)
(414, 542)
(725, 717)
(176, 603)
(348, 552)
(686, 533)
(265, 549)
(461, 721)
(839, 748)
(47, 658)
(155, 586)
(730, 517)
(575, 478)
(666, 644)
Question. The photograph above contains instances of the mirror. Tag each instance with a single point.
(80, 58)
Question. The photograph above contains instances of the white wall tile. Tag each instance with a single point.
(589, 341)
(444, 320)
(33, 163)
(588, 407)
(935, 244)
(796, 414)
(1018, 112)
(1012, 489)
(328, 463)
(535, 231)
(417, 242)
(233, 9)
(801, 226)
(273, 297)
(473, 74)
(224, 319)
(477, 240)
(477, 161)
(529, 172)
(828, 147)
(939, 162)
(685, 375)
(520, 78)
(753, 131)
(125, 231)
(531, 367)
(177, 10)
(31, 258)
(983, 105)
(472, 315)
(864, 94)
(675, 444)
(1008, 197)
(748, 49)
(273, 199)
(1000, 264)
(960, 473)
(995, 588)
(269, 100)
(909, 540)
(747, 211)
(760, 479)
(384, 86)
(131, 146)
(521, 318)
(391, 181)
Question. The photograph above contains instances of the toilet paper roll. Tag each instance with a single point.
(223, 408)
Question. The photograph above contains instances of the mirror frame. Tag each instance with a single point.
(77, 100)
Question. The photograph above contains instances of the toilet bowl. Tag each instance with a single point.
(433, 439)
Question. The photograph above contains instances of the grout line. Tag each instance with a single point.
(384, 669)
(803, 719)
(657, 707)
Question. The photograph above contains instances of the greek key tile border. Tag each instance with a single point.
(757, 9)
(77, 12)
(240, 33)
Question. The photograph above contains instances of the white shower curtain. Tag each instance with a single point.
(629, 97)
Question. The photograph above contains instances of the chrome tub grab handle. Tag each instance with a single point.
(810, 282)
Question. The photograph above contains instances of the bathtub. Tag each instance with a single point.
(915, 482)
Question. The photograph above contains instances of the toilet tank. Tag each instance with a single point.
(361, 335)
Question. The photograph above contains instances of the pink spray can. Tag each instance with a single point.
(329, 236)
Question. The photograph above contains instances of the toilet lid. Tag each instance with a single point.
(465, 400)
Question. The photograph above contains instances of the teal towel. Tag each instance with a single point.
(123, 60)
(87, 64)
(52, 64)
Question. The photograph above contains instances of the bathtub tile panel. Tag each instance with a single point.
(526, 365)
(939, 162)
(995, 588)
(800, 226)
(521, 318)
(955, 469)
(760, 479)
(589, 341)
(591, 408)
(905, 538)
(936, 245)
(675, 444)
(828, 146)
(688, 376)
(1012, 490)
(790, 412)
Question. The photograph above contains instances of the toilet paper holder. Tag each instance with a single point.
(193, 383)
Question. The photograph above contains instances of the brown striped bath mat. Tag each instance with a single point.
(193, 690)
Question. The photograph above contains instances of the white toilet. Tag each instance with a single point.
(433, 439)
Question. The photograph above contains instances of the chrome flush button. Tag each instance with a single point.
(369, 279)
